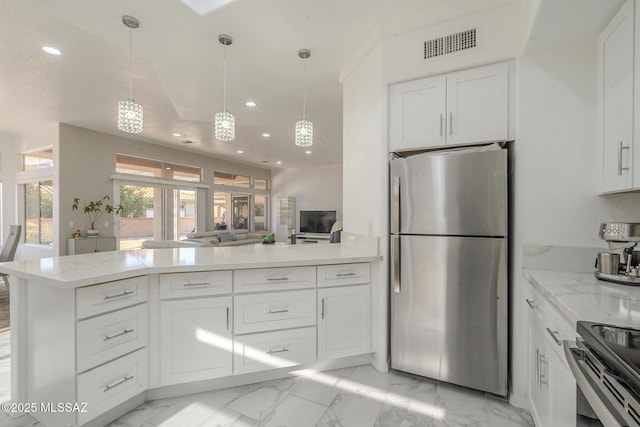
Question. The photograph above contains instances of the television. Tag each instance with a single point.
(317, 221)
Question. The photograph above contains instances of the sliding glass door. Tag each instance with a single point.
(155, 212)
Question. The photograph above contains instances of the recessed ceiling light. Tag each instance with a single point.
(308, 152)
(177, 134)
(52, 50)
(278, 162)
(266, 135)
(250, 104)
(168, 168)
(239, 151)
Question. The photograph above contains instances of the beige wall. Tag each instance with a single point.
(314, 188)
(87, 160)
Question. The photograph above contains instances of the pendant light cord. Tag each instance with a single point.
(304, 87)
(224, 79)
(130, 68)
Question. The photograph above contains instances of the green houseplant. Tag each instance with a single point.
(95, 209)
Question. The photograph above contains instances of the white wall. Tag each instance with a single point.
(314, 188)
(365, 177)
(9, 146)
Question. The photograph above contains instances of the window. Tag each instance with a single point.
(37, 159)
(156, 168)
(155, 212)
(261, 184)
(261, 213)
(38, 209)
(233, 211)
(243, 202)
(222, 178)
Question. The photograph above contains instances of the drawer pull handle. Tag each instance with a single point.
(122, 381)
(282, 310)
(322, 310)
(196, 284)
(277, 279)
(281, 350)
(124, 332)
(124, 294)
(554, 336)
(532, 304)
(350, 274)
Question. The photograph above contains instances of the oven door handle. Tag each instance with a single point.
(599, 404)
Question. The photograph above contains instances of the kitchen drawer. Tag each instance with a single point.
(558, 329)
(109, 385)
(274, 279)
(537, 304)
(278, 310)
(344, 274)
(272, 350)
(97, 299)
(108, 336)
(195, 284)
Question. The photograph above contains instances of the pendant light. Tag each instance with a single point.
(130, 116)
(225, 123)
(304, 128)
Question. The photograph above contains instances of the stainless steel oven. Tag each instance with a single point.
(605, 360)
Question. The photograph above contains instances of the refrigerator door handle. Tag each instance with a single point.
(395, 263)
(395, 205)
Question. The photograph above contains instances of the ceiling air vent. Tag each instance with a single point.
(452, 43)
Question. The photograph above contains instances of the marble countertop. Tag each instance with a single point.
(73, 271)
(580, 296)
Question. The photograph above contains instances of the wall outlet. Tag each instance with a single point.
(72, 224)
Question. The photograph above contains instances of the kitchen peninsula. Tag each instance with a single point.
(113, 329)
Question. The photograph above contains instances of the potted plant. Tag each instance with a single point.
(95, 209)
(269, 239)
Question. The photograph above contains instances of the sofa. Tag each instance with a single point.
(225, 237)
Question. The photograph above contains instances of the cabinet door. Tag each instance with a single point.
(344, 321)
(478, 105)
(195, 339)
(562, 393)
(104, 244)
(416, 113)
(82, 246)
(615, 66)
(538, 364)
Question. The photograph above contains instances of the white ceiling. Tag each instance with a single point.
(177, 67)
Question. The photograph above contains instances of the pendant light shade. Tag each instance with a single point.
(304, 128)
(224, 122)
(130, 113)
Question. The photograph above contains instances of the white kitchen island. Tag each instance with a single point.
(114, 329)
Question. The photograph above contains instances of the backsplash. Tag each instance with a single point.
(559, 258)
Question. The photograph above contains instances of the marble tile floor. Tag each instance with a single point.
(351, 397)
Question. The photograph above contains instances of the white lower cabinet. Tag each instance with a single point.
(271, 350)
(344, 321)
(111, 384)
(552, 387)
(196, 342)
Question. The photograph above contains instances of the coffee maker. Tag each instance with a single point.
(615, 267)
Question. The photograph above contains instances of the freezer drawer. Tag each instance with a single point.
(449, 309)
(462, 194)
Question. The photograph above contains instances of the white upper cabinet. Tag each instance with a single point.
(417, 113)
(616, 102)
(457, 108)
(478, 105)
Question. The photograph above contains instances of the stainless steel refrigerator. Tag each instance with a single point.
(449, 274)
